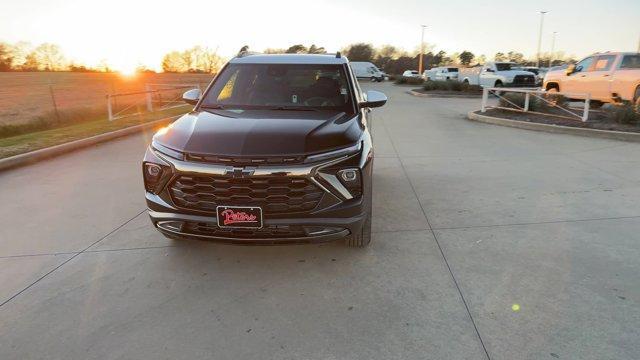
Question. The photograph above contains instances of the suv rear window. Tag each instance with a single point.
(630, 62)
(281, 86)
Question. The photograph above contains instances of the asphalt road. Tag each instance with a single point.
(488, 242)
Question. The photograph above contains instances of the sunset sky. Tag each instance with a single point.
(127, 33)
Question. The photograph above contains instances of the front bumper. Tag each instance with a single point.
(177, 226)
(337, 214)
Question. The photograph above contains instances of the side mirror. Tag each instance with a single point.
(489, 70)
(374, 99)
(571, 69)
(191, 96)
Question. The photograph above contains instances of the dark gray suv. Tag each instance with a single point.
(276, 150)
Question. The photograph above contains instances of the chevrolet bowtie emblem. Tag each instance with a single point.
(238, 172)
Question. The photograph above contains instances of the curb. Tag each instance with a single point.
(557, 129)
(41, 154)
(454, 96)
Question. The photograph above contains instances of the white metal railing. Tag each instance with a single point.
(498, 92)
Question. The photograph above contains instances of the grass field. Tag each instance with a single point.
(28, 96)
(41, 139)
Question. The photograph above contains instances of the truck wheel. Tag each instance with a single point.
(363, 237)
(498, 84)
(551, 95)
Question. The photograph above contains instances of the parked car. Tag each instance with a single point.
(539, 72)
(497, 74)
(367, 70)
(411, 74)
(441, 73)
(608, 77)
(277, 149)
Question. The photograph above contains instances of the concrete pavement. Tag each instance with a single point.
(489, 242)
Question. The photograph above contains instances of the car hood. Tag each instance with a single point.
(260, 132)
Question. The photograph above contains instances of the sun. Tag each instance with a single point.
(127, 70)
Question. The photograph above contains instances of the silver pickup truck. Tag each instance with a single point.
(608, 78)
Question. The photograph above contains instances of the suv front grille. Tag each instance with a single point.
(524, 79)
(243, 161)
(274, 194)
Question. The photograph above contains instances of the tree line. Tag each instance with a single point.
(22, 56)
(394, 60)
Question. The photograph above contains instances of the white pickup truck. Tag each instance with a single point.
(441, 73)
(497, 74)
(607, 77)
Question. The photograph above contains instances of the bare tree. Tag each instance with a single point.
(172, 62)
(6, 59)
(209, 61)
(50, 57)
(189, 58)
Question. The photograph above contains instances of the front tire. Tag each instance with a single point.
(498, 84)
(552, 95)
(363, 237)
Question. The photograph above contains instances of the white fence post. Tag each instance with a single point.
(526, 102)
(485, 97)
(585, 112)
(148, 95)
(109, 110)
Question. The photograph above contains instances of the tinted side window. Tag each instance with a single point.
(604, 63)
(584, 65)
(630, 62)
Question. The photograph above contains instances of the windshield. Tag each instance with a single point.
(280, 87)
(503, 66)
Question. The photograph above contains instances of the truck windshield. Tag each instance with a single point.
(280, 87)
(503, 66)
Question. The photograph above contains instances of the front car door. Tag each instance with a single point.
(488, 76)
(576, 81)
(598, 80)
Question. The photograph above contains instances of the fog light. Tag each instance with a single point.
(349, 175)
(153, 171)
(152, 176)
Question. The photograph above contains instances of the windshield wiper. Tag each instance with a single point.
(293, 108)
(214, 106)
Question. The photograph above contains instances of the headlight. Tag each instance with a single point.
(334, 154)
(155, 172)
(352, 180)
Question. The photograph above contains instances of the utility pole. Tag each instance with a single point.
(421, 50)
(540, 34)
(553, 48)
